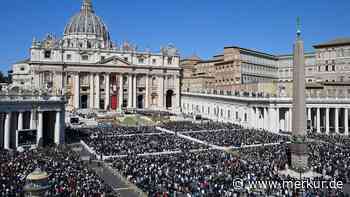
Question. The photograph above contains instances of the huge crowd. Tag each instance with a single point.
(238, 137)
(212, 173)
(119, 130)
(68, 176)
(137, 144)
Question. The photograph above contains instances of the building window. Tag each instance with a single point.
(333, 68)
(47, 54)
(154, 61)
(22, 68)
(85, 57)
(103, 58)
(141, 60)
(326, 68)
(69, 56)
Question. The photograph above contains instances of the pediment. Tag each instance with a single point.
(114, 60)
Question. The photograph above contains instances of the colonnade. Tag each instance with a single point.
(323, 116)
(15, 120)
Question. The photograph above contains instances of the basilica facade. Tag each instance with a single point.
(95, 73)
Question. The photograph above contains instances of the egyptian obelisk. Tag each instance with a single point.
(298, 146)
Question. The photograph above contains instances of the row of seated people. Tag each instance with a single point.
(238, 137)
(184, 126)
(138, 144)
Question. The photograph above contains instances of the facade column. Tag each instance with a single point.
(121, 92)
(327, 120)
(272, 117)
(336, 120)
(251, 117)
(130, 91)
(40, 127)
(7, 131)
(161, 92)
(309, 117)
(278, 119)
(58, 127)
(346, 121)
(266, 118)
(286, 120)
(76, 91)
(134, 92)
(92, 102)
(147, 93)
(177, 93)
(97, 91)
(107, 91)
(318, 120)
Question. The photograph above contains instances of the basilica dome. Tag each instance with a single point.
(87, 25)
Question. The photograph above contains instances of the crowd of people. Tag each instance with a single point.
(185, 126)
(68, 176)
(212, 172)
(139, 144)
(117, 130)
(340, 140)
(238, 137)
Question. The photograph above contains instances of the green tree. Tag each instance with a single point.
(2, 78)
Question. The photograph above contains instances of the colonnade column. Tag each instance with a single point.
(7, 131)
(107, 91)
(58, 127)
(278, 119)
(318, 121)
(76, 91)
(130, 91)
(121, 92)
(290, 119)
(147, 92)
(336, 120)
(309, 116)
(346, 121)
(20, 121)
(97, 91)
(134, 92)
(91, 99)
(327, 120)
(40, 127)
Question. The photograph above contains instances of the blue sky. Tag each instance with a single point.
(203, 27)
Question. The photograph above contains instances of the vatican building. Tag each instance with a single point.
(93, 72)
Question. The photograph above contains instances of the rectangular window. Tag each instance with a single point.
(154, 61)
(141, 60)
(85, 57)
(69, 56)
(103, 58)
(126, 59)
